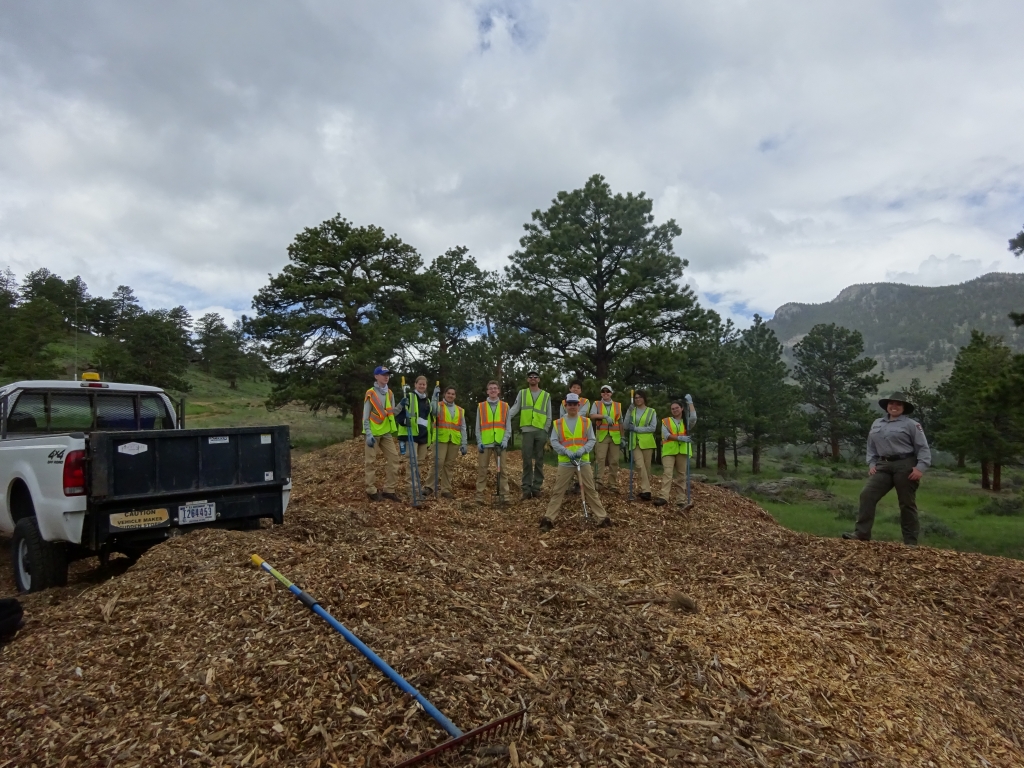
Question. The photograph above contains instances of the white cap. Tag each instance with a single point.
(608, 387)
(572, 397)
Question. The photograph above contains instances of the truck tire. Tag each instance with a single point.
(38, 564)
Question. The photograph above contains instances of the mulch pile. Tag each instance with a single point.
(715, 638)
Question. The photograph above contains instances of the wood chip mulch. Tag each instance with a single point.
(714, 637)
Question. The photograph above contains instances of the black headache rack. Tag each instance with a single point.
(143, 485)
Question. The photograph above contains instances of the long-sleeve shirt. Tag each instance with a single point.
(382, 393)
(902, 435)
(517, 406)
(570, 426)
(402, 419)
(634, 416)
(490, 404)
(452, 413)
(666, 435)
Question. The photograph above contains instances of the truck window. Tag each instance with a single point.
(153, 413)
(115, 412)
(70, 412)
(28, 414)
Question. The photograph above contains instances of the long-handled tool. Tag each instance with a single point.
(497, 728)
(414, 466)
(632, 398)
(583, 494)
(689, 447)
(437, 405)
(497, 480)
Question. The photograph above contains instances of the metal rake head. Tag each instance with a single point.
(494, 730)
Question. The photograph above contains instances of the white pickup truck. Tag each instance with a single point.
(90, 468)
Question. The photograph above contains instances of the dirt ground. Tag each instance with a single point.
(708, 637)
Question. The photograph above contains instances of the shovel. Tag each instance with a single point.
(689, 500)
(414, 466)
(583, 496)
(491, 731)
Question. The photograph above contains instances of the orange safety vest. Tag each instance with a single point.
(382, 415)
(492, 423)
(573, 441)
(449, 430)
(615, 428)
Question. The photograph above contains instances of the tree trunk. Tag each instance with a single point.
(997, 477)
(835, 448)
(960, 463)
(755, 459)
(984, 475)
(723, 464)
(735, 452)
(357, 418)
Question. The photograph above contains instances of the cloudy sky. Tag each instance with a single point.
(179, 146)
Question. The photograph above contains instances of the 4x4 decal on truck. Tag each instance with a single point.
(56, 456)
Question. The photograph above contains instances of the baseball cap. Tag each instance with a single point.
(533, 373)
(572, 397)
(603, 388)
(380, 370)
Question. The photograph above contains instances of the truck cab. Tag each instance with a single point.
(90, 467)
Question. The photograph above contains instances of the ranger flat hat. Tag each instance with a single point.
(897, 397)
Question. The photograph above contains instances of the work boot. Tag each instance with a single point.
(527, 495)
(660, 502)
(446, 495)
(646, 496)
(375, 496)
(427, 491)
(851, 536)
(391, 496)
(605, 523)
(545, 525)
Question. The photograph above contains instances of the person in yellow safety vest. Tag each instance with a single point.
(576, 387)
(572, 438)
(448, 439)
(675, 447)
(491, 437)
(607, 418)
(640, 423)
(412, 414)
(380, 429)
(533, 405)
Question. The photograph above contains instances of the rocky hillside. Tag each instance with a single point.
(714, 637)
(910, 326)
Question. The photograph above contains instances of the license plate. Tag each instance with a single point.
(197, 512)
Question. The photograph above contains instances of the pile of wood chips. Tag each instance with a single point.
(711, 637)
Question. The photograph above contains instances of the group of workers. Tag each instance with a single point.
(586, 435)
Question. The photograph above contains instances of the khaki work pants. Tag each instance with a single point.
(642, 465)
(563, 478)
(388, 445)
(606, 468)
(889, 475)
(422, 457)
(447, 454)
(483, 459)
(674, 468)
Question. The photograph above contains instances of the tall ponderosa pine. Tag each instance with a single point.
(980, 411)
(595, 276)
(835, 381)
(767, 404)
(152, 348)
(1017, 248)
(346, 303)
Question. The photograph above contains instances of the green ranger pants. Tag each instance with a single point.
(889, 475)
(533, 460)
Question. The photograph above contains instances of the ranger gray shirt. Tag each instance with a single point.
(890, 437)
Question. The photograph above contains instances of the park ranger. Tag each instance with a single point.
(572, 438)
(533, 405)
(491, 440)
(380, 430)
(449, 439)
(898, 455)
(607, 418)
(676, 447)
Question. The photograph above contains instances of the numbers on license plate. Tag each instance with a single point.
(197, 512)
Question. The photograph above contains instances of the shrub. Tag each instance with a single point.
(845, 510)
(823, 482)
(1003, 507)
(790, 467)
(930, 525)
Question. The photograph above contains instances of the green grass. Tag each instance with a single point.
(947, 501)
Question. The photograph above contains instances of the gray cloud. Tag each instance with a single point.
(179, 147)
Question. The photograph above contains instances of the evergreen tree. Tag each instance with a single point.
(1017, 248)
(26, 331)
(926, 404)
(149, 349)
(349, 300)
(594, 277)
(835, 381)
(767, 405)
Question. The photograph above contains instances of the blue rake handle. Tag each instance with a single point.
(377, 661)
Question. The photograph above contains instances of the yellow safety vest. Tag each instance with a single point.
(382, 415)
(492, 423)
(637, 440)
(673, 447)
(533, 413)
(449, 430)
(574, 440)
(615, 427)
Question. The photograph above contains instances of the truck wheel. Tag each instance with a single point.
(38, 564)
